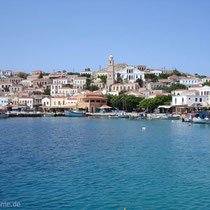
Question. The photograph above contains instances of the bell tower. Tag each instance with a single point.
(110, 72)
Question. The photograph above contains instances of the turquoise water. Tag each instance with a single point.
(69, 163)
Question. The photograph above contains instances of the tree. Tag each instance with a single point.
(119, 78)
(41, 75)
(73, 73)
(68, 85)
(103, 78)
(164, 76)
(132, 102)
(64, 71)
(85, 75)
(206, 83)
(152, 77)
(175, 86)
(22, 75)
(88, 83)
(140, 82)
(93, 87)
(47, 91)
(152, 103)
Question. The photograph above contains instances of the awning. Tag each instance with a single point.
(164, 106)
(105, 107)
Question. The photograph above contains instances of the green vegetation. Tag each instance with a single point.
(164, 76)
(152, 77)
(140, 82)
(151, 104)
(22, 75)
(178, 73)
(73, 73)
(200, 76)
(173, 86)
(93, 87)
(68, 85)
(103, 78)
(131, 102)
(206, 83)
(85, 75)
(119, 78)
(90, 86)
(47, 91)
(40, 75)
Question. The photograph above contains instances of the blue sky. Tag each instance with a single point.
(76, 34)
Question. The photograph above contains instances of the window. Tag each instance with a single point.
(200, 99)
(196, 99)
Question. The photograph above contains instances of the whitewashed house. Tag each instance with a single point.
(130, 73)
(26, 101)
(63, 81)
(54, 89)
(46, 101)
(156, 72)
(189, 81)
(190, 100)
(79, 82)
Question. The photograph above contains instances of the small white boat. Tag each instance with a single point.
(201, 120)
(123, 115)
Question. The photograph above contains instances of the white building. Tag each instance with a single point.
(67, 91)
(204, 90)
(190, 100)
(26, 101)
(54, 88)
(206, 79)
(156, 72)
(63, 81)
(189, 81)
(79, 82)
(46, 101)
(130, 73)
(3, 100)
(86, 71)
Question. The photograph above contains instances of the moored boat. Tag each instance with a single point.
(113, 116)
(75, 113)
(49, 115)
(123, 115)
(3, 115)
(200, 120)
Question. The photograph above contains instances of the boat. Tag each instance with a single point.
(142, 116)
(123, 115)
(3, 115)
(49, 114)
(202, 117)
(170, 117)
(113, 116)
(75, 113)
(201, 120)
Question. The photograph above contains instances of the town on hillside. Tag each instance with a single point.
(117, 87)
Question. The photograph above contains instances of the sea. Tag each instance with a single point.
(96, 163)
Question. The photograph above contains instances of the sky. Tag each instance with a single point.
(54, 35)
